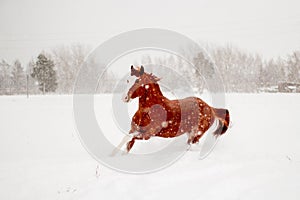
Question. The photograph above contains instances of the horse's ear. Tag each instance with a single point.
(157, 79)
(142, 70)
(133, 71)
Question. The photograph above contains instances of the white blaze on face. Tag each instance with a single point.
(164, 124)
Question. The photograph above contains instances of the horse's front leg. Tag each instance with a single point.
(197, 138)
(139, 136)
(194, 136)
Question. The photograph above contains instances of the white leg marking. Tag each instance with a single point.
(125, 139)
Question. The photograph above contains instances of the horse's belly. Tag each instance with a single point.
(169, 133)
(192, 120)
(173, 128)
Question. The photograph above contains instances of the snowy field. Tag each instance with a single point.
(258, 158)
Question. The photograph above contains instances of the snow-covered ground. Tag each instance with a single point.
(258, 158)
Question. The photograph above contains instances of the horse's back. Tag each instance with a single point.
(188, 115)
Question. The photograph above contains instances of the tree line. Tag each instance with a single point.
(246, 72)
(241, 71)
(52, 72)
(55, 71)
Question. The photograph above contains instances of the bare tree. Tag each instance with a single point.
(5, 81)
(68, 60)
(239, 70)
(293, 67)
(18, 78)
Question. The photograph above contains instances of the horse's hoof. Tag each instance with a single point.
(129, 145)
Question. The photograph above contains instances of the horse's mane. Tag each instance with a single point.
(152, 77)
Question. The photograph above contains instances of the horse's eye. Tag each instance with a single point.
(137, 80)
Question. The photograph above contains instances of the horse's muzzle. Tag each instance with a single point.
(126, 98)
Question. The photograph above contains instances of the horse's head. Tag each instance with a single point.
(141, 84)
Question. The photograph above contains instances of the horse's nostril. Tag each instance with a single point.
(126, 98)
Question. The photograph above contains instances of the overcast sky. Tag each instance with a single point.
(268, 27)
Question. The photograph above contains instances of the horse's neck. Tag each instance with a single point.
(152, 96)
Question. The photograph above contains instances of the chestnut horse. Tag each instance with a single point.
(162, 117)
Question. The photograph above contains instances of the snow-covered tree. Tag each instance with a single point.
(204, 70)
(32, 83)
(5, 81)
(45, 74)
(68, 60)
(18, 78)
(293, 67)
(240, 70)
(107, 82)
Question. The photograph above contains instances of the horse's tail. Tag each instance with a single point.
(223, 120)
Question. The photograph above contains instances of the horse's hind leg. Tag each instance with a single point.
(220, 128)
